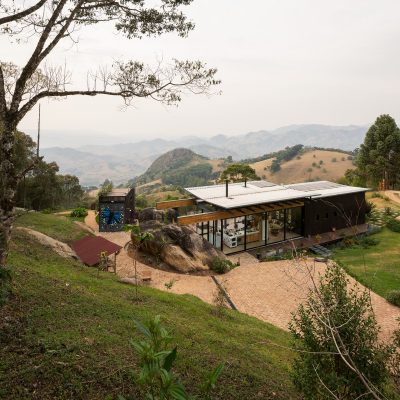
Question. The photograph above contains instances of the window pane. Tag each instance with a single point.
(294, 226)
(275, 226)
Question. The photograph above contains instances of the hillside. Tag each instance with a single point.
(91, 168)
(120, 162)
(66, 332)
(301, 168)
(181, 167)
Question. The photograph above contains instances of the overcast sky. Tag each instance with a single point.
(281, 62)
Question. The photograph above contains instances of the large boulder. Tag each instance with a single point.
(179, 246)
(152, 214)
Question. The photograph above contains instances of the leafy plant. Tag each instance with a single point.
(222, 265)
(5, 284)
(156, 361)
(394, 297)
(393, 225)
(336, 337)
(79, 212)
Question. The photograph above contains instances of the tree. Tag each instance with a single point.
(50, 22)
(379, 155)
(336, 334)
(238, 173)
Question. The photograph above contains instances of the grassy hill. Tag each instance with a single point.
(181, 167)
(306, 166)
(66, 331)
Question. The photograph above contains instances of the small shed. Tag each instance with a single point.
(90, 248)
(116, 209)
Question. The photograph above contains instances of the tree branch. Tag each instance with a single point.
(22, 14)
(3, 103)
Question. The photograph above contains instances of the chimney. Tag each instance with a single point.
(226, 188)
(245, 182)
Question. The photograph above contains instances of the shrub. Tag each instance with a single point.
(156, 362)
(368, 241)
(376, 195)
(79, 212)
(369, 208)
(334, 159)
(336, 317)
(393, 225)
(222, 265)
(394, 297)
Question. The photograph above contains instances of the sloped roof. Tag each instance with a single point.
(263, 192)
(89, 248)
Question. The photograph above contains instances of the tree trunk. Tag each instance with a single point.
(8, 187)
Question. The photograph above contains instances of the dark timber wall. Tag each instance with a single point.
(334, 212)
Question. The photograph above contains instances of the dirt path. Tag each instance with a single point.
(269, 291)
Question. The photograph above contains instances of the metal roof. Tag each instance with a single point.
(89, 248)
(262, 192)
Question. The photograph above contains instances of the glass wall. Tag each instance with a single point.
(275, 226)
(246, 232)
(294, 222)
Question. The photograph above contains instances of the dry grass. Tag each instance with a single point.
(297, 170)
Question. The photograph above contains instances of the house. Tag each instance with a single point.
(241, 216)
(116, 209)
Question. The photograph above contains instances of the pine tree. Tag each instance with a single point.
(379, 155)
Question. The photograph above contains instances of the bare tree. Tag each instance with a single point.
(50, 22)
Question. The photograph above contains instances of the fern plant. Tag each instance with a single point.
(156, 362)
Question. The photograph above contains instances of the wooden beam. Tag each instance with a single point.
(162, 205)
(216, 215)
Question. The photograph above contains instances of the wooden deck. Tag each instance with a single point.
(305, 243)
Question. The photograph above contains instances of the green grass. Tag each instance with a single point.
(377, 267)
(57, 226)
(65, 334)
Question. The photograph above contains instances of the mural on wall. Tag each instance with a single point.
(111, 217)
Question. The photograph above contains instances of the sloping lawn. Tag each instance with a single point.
(58, 227)
(65, 335)
(377, 267)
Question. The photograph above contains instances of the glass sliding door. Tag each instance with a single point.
(255, 231)
(275, 226)
(294, 222)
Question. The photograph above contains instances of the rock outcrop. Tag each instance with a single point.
(179, 246)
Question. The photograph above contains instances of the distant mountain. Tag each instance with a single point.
(93, 169)
(121, 162)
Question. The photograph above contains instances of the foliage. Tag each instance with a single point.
(395, 358)
(222, 265)
(83, 336)
(287, 154)
(79, 212)
(379, 155)
(156, 362)
(334, 329)
(394, 297)
(194, 175)
(141, 202)
(393, 225)
(238, 173)
(106, 187)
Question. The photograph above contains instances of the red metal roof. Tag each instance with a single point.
(89, 248)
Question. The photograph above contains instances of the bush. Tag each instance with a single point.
(368, 241)
(334, 159)
(393, 225)
(369, 208)
(79, 212)
(376, 195)
(394, 297)
(221, 265)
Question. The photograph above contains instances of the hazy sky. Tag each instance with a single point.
(281, 62)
